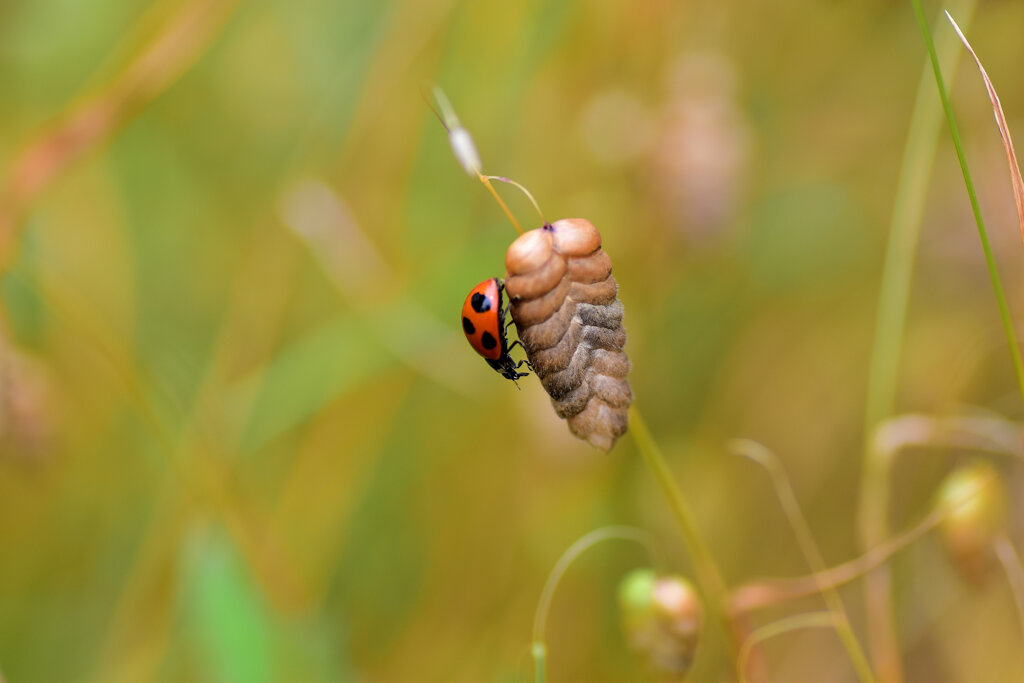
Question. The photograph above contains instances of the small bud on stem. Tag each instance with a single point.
(974, 502)
(661, 617)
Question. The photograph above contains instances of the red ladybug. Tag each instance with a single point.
(483, 321)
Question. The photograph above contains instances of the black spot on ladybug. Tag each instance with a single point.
(480, 303)
(488, 341)
(467, 325)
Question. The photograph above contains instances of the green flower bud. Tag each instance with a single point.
(661, 617)
(973, 500)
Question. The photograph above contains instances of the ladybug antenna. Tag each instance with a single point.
(524, 191)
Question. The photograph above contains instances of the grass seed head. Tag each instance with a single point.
(974, 500)
(565, 305)
(661, 617)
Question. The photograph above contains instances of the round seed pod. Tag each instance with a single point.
(974, 500)
(565, 305)
(661, 617)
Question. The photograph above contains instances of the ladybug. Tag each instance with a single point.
(483, 321)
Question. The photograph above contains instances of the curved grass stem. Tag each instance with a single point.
(777, 628)
(610, 533)
(762, 594)
(1014, 573)
(787, 499)
(486, 180)
(521, 188)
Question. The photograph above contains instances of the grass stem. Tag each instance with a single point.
(708, 575)
(990, 261)
(504, 207)
(805, 538)
(540, 662)
(883, 372)
(777, 628)
(767, 593)
(624, 533)
(1008, 557)
(521, 188)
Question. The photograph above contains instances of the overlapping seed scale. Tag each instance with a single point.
(565, 306)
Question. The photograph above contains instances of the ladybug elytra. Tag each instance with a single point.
(483, 321)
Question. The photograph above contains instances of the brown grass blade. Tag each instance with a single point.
(1004, 130)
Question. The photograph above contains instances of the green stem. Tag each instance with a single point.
(540, 661)
(883, 373)
(990, 261)
(708, 574)
(624, 533)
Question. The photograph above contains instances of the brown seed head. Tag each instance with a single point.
(565, 306)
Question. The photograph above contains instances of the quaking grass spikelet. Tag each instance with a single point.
(565, 305)
(661, 618)
(975, 502)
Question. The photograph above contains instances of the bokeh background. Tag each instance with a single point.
(242, 436)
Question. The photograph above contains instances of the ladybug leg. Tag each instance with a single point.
(521, 364)
(505, 316)
(525, 361)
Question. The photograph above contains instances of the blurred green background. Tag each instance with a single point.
(242, 436)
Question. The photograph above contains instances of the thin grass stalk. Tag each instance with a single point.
(1016, 181)
(805, 538)
(1005, 551)
(527, 193)
(708, 575)
(539, 651)
(990, 262)
(883, 376)
(486, 180)
(1008, 557)
(762, 594)
(767, 593)
(539, 648)
(778, 628)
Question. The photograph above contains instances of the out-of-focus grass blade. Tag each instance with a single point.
(1004, 130)
(237, 635)
(305, 377)
(323, 221)
(310, 652)
(225, 614)
(26, 310)
(312, 372)
(181, 41)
